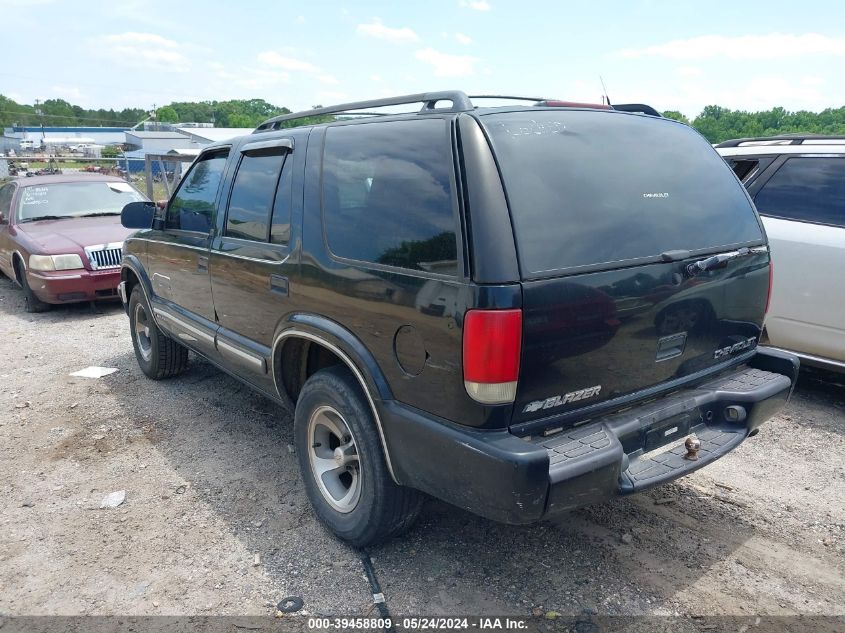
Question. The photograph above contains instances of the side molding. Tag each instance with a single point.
(298, 333)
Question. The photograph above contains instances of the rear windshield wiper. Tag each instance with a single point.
(98, 213)
(715, 261)
(45, 217)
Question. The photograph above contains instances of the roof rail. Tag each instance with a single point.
(460, 103)
(641, 108)
(794, 139)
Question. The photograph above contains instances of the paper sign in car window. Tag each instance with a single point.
(34, 195)
(120, 187)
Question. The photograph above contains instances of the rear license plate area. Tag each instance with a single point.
(667, 431)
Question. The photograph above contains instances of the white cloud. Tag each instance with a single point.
(382, 32)
(272, 58)
(743, 91)
(328, 79)
(466, 40)
(476, 5)
(771, 46)
(141, 38)
(72, 93)
(331, 95)
(689, 71)
(248, 78)
(145, 50)
(446, 65)
(8, 4)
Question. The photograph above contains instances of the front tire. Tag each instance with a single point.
(342, 463)
(158, 356)
(31, 302)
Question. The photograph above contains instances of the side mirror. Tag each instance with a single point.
(138, 215)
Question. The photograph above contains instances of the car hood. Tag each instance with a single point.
(53, 237)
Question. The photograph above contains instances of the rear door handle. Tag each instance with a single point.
(279, 285)
(202, 264)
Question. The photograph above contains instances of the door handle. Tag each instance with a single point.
(279, 285)
(202, 264)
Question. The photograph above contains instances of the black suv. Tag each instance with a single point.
(519, 310)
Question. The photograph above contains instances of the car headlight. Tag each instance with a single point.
(55, 262)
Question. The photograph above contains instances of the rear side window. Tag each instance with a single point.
(743, 167)
(807, 189)
(6, 194)
(252, 196)
(280, 225)
(387, 194)
(192, 208)
(597, 188)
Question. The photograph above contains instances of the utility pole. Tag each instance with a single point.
(40, 114)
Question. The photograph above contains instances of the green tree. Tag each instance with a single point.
(677, 116)
(167, 114)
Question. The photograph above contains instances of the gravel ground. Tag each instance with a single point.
(215, 519)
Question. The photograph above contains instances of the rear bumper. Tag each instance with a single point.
(69, 286)
(514, 480)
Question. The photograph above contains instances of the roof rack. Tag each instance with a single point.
(460, 103)
(459, 100)
(640, 108)
(793, 139)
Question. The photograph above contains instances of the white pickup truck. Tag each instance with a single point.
(798, 185)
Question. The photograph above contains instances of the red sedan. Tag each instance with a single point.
(60, 236)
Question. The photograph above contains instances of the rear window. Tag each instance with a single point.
(589, 188)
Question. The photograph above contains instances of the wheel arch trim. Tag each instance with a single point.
(16, 254)
(297, 332)
(131, 263)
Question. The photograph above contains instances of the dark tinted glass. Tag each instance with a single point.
(387, 194)
(280, 228)
(600, 187)
(252, 196)
(6, 194)
(743, 167)
(806, 189)
(192, 209)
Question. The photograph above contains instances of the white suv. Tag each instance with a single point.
(798, 185)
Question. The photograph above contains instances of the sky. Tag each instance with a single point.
(675, 55)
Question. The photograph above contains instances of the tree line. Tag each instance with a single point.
(60, 113)
(719, 124)
(715, 122)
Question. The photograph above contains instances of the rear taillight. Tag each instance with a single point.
(492, 348)
(771, 279)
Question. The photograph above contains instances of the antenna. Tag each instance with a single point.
(605, 98)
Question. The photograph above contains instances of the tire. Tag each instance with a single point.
(380, 509)
(159, 356)
(31, 302)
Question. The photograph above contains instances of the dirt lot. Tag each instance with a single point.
(211, 484)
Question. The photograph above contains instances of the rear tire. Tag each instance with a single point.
(31, 302)
(340, 456)
(159, 356)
